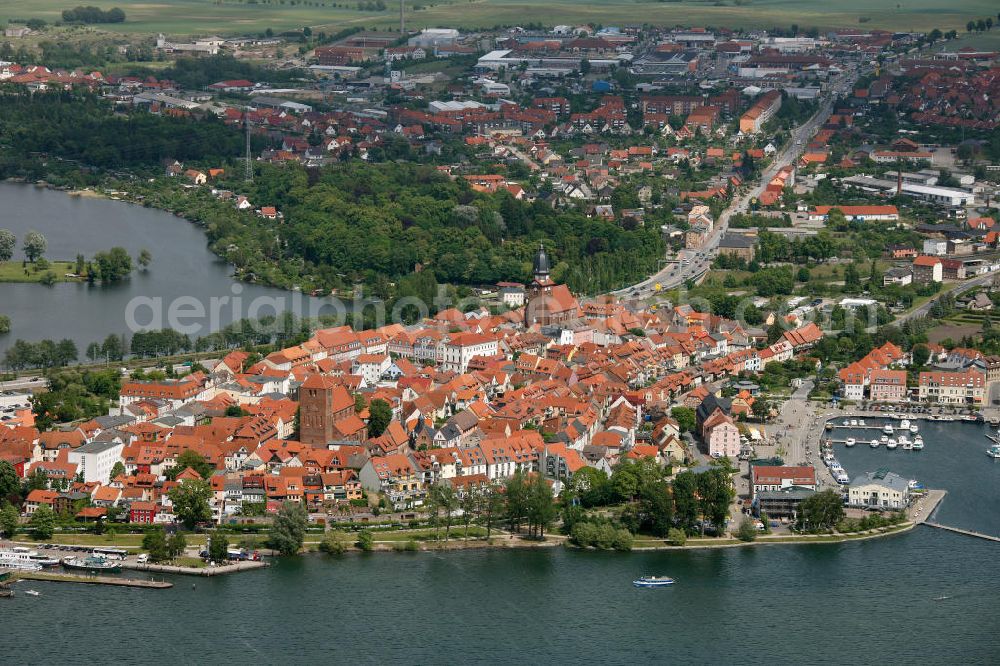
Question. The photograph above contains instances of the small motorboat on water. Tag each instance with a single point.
(918, 443)
(850, 442)
(907, 445)
(904, 424)
(873, 444)
(885, 439)
(653, 581)
(861, 422)
(887, 429)
(914, 429)
(854, 422)
(994, 451)
(847, 422)
(842, 478)
(33, 593)
(903, 440)
(891, 444)
(829, 425)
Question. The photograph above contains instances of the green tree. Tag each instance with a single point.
(218, 547)
(715, 493)
(117, 470)
(821, 511)
(10, 483)
(42, 523)
(191, 502)
(176, 544)
(676, 537)
(288, 530)
(155, 544)
(4, 324)
(195, 461)
(34, 245)
(443, 500)
(516, 492)
(921, 354)
(541, 509)
(335, 542)
(379, 416)
(685, 491)
(7, 243)
(747, 531)
(145, 258)
(686, 419)
(8, 520)
(366, 541)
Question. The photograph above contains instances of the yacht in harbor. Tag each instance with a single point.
(914, 429)
(873, 444)
(20, 559)
(850, 442)
(891, 444)
(918, 443)
(904, 441)
(887, 429)
(861, 422)
(854, 423)
(904, 424)
(993, 451)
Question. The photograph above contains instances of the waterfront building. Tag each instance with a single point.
(880, 489)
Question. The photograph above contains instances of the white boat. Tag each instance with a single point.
(32, 593)
(903, 440)
(904, 424)
(993, 451)
(891, 444)
(918, 443)
(653, 581)
(914, 429)
(887, 429)
(873, 444)
(854, 422)
(850, 442)
(861, 422)
(908, 446)
(19, 558)
(885, 439)
(842, 478)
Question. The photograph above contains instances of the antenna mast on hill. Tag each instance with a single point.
(402, 18)
(248, 164)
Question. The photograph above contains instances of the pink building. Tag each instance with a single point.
(887, 385)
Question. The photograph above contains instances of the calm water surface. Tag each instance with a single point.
(926, 596)
(182, 266)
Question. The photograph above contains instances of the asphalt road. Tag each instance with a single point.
(674, 274)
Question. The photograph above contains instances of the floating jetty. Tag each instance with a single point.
(93, 580)
(958, 530)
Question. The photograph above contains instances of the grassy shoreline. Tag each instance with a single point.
(17, 271)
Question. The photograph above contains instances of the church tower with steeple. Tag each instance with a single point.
(548, 303)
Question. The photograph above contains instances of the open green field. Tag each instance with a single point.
(203, 17)
(13, 271)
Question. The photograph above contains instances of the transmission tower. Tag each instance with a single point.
(402, 18)
(248, 164)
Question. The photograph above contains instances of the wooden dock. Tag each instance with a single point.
(957, 530)
(51, 577)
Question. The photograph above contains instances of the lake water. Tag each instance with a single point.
(926, 596)
(183, 267)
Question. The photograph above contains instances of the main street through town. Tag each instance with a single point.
(698, 263)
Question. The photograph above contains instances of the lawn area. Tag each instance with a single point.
(203, 17)
(132, 541)
(457, 533)
(15, 271)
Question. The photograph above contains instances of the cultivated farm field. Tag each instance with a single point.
(203, 17)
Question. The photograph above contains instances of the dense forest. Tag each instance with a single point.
(401, 228)
(84, 129)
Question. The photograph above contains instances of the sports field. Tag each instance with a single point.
(202, 17)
